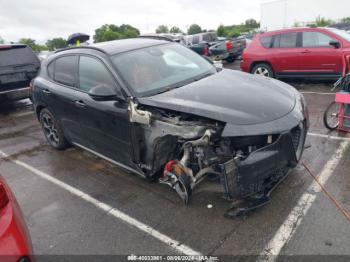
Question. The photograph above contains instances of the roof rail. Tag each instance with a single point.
(79, 47)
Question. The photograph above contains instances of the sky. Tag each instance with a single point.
(42, 20)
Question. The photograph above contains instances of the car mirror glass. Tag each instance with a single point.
(334, 43)
(103, 92)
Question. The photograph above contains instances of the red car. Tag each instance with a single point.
(15, 242)
(298, 53)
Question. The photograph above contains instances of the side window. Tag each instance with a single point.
(276, 41)
(93, 72)
(65, 70)
(50, 69)
(288, 40)
(195, 40)
(315, 39)
(266, 41)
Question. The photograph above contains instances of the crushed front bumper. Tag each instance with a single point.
(262, 169)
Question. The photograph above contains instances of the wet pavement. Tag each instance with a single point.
(63, 223)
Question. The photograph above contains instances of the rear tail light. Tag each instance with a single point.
(228, 45)
(244, 56)
(3, 196)
(206, 51)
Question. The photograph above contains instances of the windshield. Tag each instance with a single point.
(156, 69)
(343, 34)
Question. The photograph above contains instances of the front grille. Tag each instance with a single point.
(296, 135)
(298, 138)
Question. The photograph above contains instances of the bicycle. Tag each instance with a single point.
(337, 114)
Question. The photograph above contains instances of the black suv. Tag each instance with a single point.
(164, 112)
(18, 66)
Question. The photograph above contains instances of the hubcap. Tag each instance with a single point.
(50, 129)
(262, 71)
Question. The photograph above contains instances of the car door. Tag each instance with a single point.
(60, 94)
(286, 53)
(318, 56)
(105, 125)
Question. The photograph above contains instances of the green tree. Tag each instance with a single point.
(175, 30)
(251, 23)
(113, 32)
(221, 31)
(128, 31)
(321, 21)
(31, 43)
(56, 43)
(162, 29)
(194, 29)
(346, 20)
(2, 40)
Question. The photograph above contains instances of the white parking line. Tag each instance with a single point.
(291, 224)
(317, 93)
(22, 114)
(109, 209)
(339, 138)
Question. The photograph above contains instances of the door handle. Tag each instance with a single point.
(46, 91)
(79, 103)
(305, 51)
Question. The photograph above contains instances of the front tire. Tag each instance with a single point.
(331, 116)
(263, 69)
(52, 130)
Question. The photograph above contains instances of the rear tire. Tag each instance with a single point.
(230, 59)
(263, 69)
(330, 117)
(52, 130)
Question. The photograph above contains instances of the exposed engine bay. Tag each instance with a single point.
(181, 150)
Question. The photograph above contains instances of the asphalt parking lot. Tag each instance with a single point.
(75, 203)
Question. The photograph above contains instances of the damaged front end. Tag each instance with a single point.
(181, 150)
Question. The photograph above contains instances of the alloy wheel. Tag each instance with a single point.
(50, 129)
(263, 71)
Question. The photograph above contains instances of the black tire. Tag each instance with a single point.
(331, 113)
(230, 59)
(263, 69)
(52, 130)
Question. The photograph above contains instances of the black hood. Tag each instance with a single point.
(231, 97)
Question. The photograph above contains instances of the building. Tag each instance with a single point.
(288, 13)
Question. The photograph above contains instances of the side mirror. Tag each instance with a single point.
(104, 93)
(334, 43)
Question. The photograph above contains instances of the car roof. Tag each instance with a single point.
(295, 29)
(125, 45)
(8, 46)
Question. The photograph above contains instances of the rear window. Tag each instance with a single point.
(66, 70)
(266, 41)
(18, 56)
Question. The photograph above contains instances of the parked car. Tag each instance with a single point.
(15, 242)
(18, 66)
(162, 111)
(218, 48)
(298, 53)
